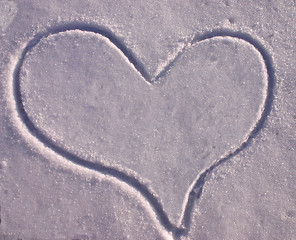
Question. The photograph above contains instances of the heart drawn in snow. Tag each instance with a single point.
(84, 95)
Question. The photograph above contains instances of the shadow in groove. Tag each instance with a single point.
(131, 181)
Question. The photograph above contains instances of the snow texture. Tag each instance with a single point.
(8, 10)
(89, 101)
(147, 120)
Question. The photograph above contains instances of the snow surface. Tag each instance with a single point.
(78, 92)
(115, 111)
(8, 10)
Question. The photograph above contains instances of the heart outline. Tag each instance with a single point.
(195, 190)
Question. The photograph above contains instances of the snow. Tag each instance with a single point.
(103, 111)
(115, 116)
(8, 10)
